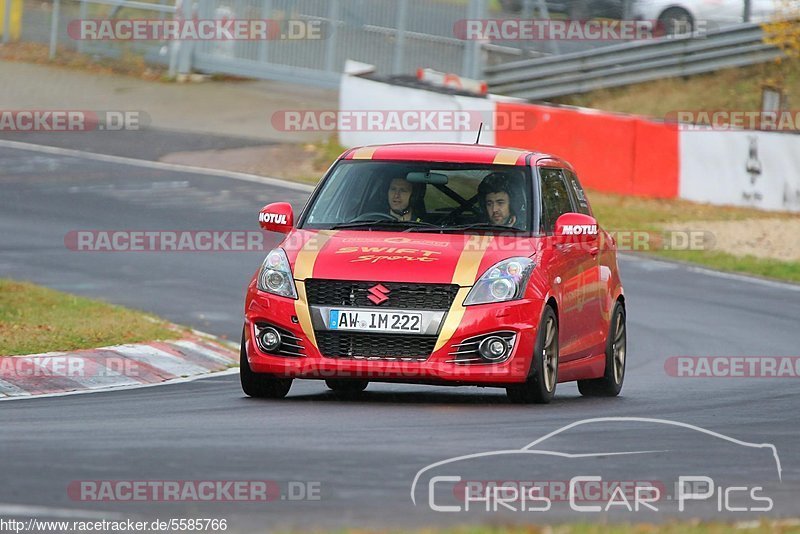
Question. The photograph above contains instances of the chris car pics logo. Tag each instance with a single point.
(538, 478)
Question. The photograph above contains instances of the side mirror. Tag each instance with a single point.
(577, 227)
(277, 217)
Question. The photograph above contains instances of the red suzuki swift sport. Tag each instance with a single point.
(438, 264)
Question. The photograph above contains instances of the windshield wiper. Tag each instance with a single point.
(366, 224)
(477, 226)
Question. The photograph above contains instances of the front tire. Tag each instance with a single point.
(260, 385)
(610, 384)
(540, 387)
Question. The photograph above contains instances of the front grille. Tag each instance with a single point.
(375, 346)
(402, 296)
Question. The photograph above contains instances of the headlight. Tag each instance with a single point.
(276, 276)
(504, 281)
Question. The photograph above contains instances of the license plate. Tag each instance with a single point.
(375, 321)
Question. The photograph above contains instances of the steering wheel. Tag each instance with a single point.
(373, 215)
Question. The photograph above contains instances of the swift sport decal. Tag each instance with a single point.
(378, 254)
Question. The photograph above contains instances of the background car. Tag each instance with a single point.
(574, 9)
(683, 16)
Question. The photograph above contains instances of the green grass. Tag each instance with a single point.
(787, 271)
(730, 89)
(694, 527)
(35, 319)
(620, 213)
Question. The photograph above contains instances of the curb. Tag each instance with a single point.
(117, 366)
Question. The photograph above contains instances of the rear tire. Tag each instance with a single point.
(610, 384)
(676, 21)
(260, 385)
(540, 387)
(346, 386)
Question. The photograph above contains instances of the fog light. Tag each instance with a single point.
(493, 348)
(269, 339)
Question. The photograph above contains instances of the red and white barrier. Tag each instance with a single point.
(741, 168)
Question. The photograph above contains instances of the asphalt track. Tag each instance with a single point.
(363, 453)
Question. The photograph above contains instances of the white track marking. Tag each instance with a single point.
(227, 372)
(148, 164)
(208, 353)
(45, 511)
(7, 388)
(711, 272)
(161, 360)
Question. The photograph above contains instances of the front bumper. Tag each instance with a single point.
(520, 317)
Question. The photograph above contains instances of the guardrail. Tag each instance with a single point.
(632, 62)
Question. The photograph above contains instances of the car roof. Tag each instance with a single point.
(452, 153)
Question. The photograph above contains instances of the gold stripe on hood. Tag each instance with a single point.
(464, 275)
(303, 269)
(364, 153)
(507, 157)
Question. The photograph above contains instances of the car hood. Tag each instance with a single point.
(399, 257)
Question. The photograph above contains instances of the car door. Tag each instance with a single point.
(595, 278)
(720, 11)
(570, 266)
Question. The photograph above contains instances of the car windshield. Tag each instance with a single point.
(423, 197)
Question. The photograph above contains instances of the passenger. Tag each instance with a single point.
(497, 199)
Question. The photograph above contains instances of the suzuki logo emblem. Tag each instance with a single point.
(378, 294)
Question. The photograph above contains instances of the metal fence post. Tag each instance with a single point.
(83, 13)
(184, 12)
(263, 49)
(466, 63)
(400, 42)
(330, 53)
(54, 18)
(7, 22)
(473, 57)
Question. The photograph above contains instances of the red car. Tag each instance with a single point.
(438, 264)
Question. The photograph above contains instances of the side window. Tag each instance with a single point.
(578, 194)
(555, 198)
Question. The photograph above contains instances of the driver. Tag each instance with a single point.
(406, 200)
(497, 199)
